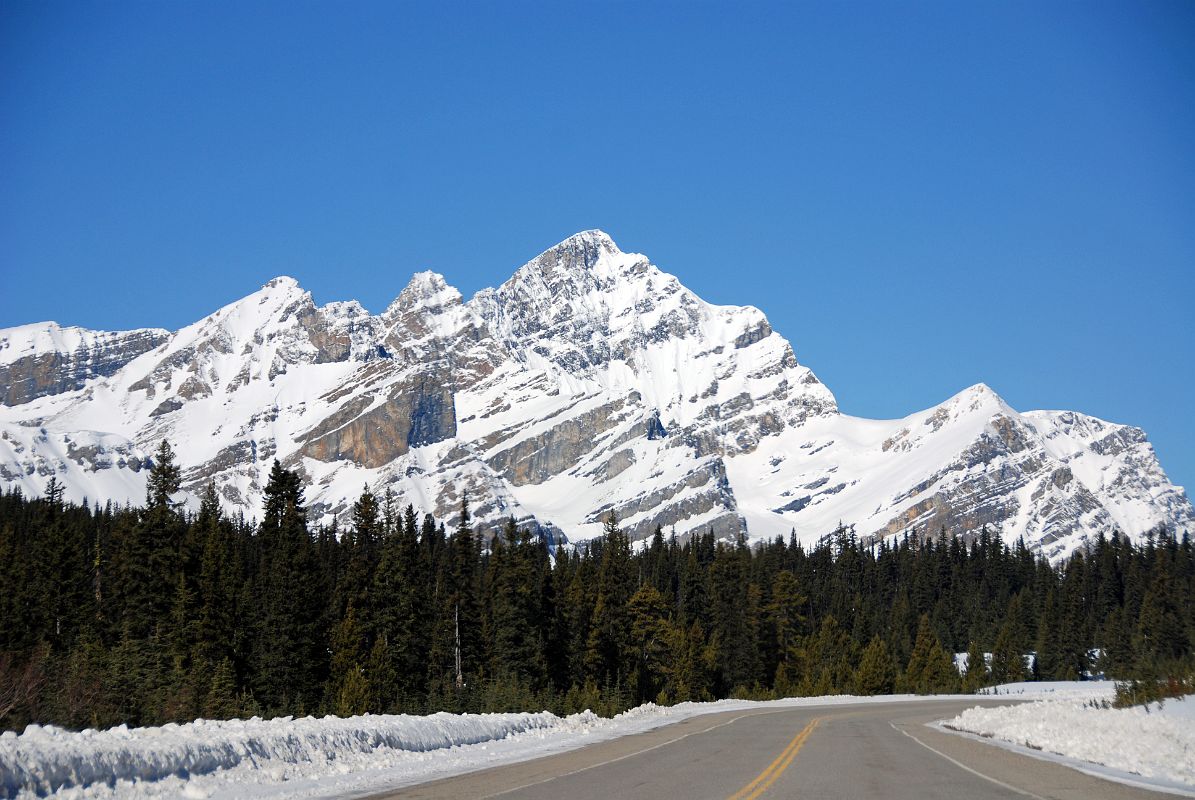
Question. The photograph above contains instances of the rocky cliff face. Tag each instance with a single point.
(590, 381)
(40, 360)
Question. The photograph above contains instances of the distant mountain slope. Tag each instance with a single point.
(588, 381)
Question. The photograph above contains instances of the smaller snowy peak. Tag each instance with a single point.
(1067, 433)
(1071, 423)
(427, 310)
(43, 338)
(977, 399)
(427, 290)
(584, 258)
(284, 282)
(277, 296)
(583, 241)
(344, 310)
(257, 336)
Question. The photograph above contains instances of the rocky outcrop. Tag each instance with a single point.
(373, 434)
(72, 359)
(541, 456)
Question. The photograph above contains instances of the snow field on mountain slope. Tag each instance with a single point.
(318, 758)
(1149, 745)
(50, 452)
(849, 450)
(40, 338)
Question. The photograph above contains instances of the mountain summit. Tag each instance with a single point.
(588, 382)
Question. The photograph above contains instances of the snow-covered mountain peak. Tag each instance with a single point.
(581, 263)
(589, 381)
(586, 244)
(426, 289)
(283, 282)
(978, 399)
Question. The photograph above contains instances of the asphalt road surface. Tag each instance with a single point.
(878, 750)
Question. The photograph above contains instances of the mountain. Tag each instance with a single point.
(589, 381)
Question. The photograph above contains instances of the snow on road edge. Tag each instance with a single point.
(328, 757)
(1152, 747)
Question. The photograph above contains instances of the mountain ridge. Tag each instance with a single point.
(587, 382)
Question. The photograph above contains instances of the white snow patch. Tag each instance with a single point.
(1153, 746)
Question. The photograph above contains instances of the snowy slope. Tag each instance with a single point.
(589, 381)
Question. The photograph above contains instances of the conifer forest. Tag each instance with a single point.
(149, 615)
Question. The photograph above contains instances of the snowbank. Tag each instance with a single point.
(1157, 744)
(1055, 690)
(45, 759)
(332, 756)
(316, 758)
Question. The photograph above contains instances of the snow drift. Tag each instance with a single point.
(1154, 743)
(45, 759)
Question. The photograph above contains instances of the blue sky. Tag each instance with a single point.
(920, 195)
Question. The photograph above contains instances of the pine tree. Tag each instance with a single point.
(1048, 662)
(152, 557)
(826, 659)
(651, 637)
(1161, 638)
(362, 543)
(517, 608)
(692, 665)
(461, 614)
(347, 686)
(930, 669)
(734, 632)
(1008, 663)
(221, 700)
(877, 669)
(976, 676)
(287, 665)
(609, 658)
(786, 623)
(218, 579)
(399, 658)
(165, 478)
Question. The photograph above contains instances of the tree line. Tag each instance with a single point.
(149, 615)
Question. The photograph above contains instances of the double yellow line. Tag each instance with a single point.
(777, 767)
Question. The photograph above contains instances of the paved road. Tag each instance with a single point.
(849, 752)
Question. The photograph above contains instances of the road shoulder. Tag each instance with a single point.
(1021, 769)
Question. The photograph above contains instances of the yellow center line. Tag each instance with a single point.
(777, 767)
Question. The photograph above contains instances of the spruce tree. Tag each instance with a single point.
(651, 637)
(877, 669)
(608, 655)
(348, 688)
(930, 669)
(152, 557)
(400, 653)
(287, 641)
(517, 608)
(1008, 663)
(976, 676)
(1048, 662)
(786, 623)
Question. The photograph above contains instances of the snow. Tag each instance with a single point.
(316, 758)
(1152, 745)
(338, 757)
(40, 338)
(579, 330)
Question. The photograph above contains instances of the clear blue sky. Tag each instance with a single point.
(920, 195)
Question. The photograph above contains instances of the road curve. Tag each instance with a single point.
(880, 750)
